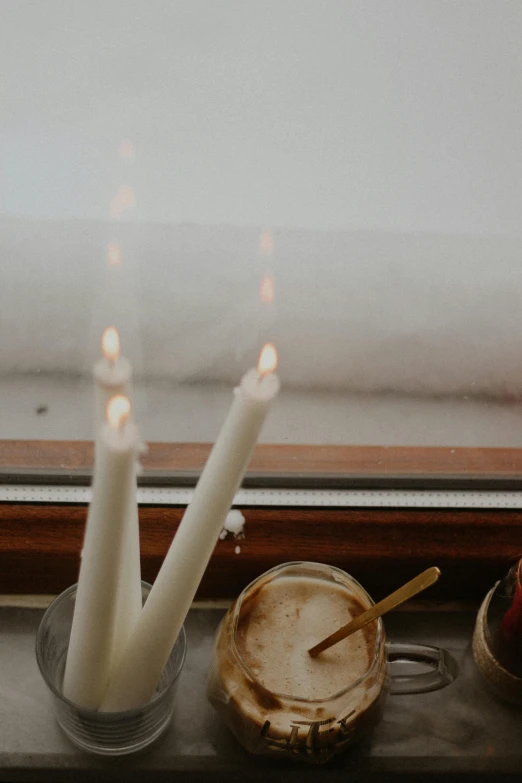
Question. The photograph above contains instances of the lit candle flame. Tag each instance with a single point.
(268, 359)
(114, 254)
(266, 243)
(127, 150)
(125, 197)
(118, 410)
(110, 343)
(267, 290)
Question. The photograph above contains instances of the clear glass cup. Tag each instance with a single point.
(277, 724)
(103, 733)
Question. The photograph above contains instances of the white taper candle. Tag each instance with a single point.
(112, 376)
(160, 622)
(90, 652)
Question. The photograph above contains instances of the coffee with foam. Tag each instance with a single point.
(284, 619)
(271, 693)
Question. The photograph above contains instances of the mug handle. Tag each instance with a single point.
(419, 668)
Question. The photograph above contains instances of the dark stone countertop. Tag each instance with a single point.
(456, 733)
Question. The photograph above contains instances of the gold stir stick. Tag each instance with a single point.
(421, 582)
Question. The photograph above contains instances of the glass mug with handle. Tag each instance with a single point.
(276, 699)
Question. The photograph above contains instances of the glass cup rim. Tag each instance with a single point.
(87, 710)
(379, 638)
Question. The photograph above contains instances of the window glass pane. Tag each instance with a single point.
(341, 178)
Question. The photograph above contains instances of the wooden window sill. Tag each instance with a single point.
(282, 460)
(40, 543)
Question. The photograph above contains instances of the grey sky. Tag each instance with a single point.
(393, 114)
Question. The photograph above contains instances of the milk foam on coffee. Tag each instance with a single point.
(274, 697)
(284, 618)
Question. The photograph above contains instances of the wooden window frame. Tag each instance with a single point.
(40, 542)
